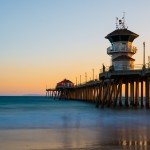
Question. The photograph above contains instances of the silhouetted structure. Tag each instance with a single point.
(64, 84)
(107, 91)
(61, 89)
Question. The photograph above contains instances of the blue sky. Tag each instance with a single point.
(45, 41)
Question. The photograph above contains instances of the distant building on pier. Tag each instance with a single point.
(64, 84)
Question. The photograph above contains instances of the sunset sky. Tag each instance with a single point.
(44, 41)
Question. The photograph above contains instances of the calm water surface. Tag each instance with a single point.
(78, 125)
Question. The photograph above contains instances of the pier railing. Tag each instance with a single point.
(125, 67)
(88, 83)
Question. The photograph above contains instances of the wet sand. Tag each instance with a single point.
(75, 138)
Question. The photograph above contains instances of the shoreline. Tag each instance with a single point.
(74, 139)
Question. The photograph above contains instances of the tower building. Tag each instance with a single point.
(121, 49)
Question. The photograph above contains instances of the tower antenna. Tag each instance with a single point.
(123, 21)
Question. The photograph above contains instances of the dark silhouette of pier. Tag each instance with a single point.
(108, 90)
(122, 77)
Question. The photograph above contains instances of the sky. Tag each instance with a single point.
(45, 41)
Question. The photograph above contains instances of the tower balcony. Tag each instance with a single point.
(121, 49)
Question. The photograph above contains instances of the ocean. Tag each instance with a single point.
(41, 123)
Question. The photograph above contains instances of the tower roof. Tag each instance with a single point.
(121, 35)
(121, 32)
(123, 57)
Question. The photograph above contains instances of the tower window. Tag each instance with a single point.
(124, 37)
(115, 38)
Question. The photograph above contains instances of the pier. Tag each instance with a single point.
(121, 84)
(108, 90)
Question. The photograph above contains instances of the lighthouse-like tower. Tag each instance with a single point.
(121, 49)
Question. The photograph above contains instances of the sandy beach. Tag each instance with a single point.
(47, 139)
(73, 138)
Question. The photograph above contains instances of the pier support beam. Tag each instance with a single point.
(126, 94)
(120, 95)
(117, 93)
(132, 93)
(106, 91)
(99, 96)
(136, 102)
(112, 88)
(142, 94)
(147, 92)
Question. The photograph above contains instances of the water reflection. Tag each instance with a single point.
(103, 139)
(134, 138)
(133, 143)
(118, 135)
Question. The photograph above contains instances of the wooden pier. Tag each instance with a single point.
(109, 89)
(121, 84)
(136, 84)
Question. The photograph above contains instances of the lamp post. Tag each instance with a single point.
(93, 74)
(76, 81)
(85, 77)
(143, 54)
